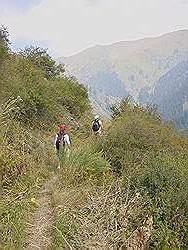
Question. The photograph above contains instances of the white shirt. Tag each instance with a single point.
(66, 139)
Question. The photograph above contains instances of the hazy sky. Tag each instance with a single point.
(68, 26)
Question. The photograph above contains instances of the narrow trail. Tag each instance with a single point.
(41, 221)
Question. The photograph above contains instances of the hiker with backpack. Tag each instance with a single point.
(62, 141)
(97, 126)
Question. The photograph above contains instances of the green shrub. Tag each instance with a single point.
(44, 102)
(154, 157)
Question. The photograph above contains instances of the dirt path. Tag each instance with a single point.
(40, 223)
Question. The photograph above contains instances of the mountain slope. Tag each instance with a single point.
(131, 66)
(171, 95)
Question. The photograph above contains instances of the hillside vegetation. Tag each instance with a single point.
(124, 190)
(35, 100)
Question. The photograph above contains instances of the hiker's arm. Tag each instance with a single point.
(55, 139)
(101, 124)
(67, 140)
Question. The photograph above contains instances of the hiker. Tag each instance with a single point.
(97, 126)
(62, 139)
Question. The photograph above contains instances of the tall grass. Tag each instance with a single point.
(24, 169)
(84, 163)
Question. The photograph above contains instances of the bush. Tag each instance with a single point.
(154, 157)
(44, 102)
(42, 60)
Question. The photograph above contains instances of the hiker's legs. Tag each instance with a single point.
(60, 155)
(98, 133)
(67, 151)
(63, 153)
(58, 158)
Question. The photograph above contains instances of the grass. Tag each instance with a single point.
(25, 167)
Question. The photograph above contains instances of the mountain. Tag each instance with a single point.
(171, 95)
(132, 65)
(127, 68)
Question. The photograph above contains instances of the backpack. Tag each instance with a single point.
(96, 125)
(60, 136)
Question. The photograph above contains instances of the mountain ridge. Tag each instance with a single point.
(121, 42)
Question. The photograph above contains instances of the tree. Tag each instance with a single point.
(122, 107)
(4, 42)
(42, 60)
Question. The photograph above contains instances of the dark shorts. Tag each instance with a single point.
(58, 144)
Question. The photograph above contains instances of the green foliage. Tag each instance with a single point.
(83, 168)
(155, 159)
(4, 40)
(71, 95)
(92, 205)
(84, 163)
(44, 102)
(41, 59)
(17, 206)
(4, 43)
(118, 109)
(63, 228)
(24, 168)
(36, 97)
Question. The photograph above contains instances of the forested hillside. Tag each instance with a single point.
(126, 189)
(171, 94)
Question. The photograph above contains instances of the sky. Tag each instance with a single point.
(66, 27)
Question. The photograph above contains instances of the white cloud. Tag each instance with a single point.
(72, 25)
